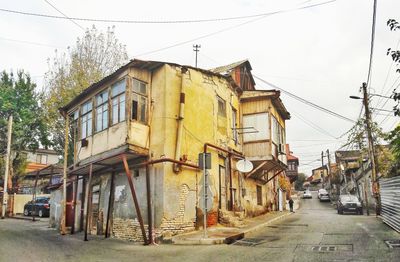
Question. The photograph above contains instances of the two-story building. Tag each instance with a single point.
(137, 135)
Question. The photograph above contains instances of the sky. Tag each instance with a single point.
(320, 53)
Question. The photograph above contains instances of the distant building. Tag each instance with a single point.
(292, 171)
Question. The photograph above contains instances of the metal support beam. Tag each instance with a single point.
(34, 197)
(139, 215)
(75, 194)
(88, 201)
(110, 205)
(149, 206)
(274, 176)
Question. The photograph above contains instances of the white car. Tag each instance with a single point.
(323, 195)
(307, 194)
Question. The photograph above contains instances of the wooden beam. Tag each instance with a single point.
(133, 192)
(88, 200)
(256, 169)
(110, 204)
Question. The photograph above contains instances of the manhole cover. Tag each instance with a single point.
(327, 248)
(324, 248)
(249, 242)
(393, 243)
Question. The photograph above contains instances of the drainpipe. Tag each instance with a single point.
(181, 116)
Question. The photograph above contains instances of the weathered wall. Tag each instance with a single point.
(56, 208)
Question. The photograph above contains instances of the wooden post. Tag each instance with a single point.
(88, 200)
(63, 221)
(149, 213)
(34, 197)
(75, 194)
(110, 205)
(139, 215)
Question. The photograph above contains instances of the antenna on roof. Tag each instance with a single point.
(196, 49)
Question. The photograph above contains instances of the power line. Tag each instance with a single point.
(64, 15)
(162, 21)
(316, 127)
(306, 101)
(372, 44)
(29, 42)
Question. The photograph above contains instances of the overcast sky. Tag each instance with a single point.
(319, 53)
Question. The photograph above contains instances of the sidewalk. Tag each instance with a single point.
(226, 235)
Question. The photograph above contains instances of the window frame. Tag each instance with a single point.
(89, 120)
(104, 104)
(141, 102)
(221, 109)
(121, 116)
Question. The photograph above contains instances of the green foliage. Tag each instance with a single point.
(394, 137)
(94, 56)
(29, 131)
(298, 185)
(395, 55)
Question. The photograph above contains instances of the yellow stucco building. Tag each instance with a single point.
(137, 135)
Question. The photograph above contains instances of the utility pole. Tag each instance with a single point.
(5, 187)
(329, 168)
(322, 158)
(196, 49)
(371, 149)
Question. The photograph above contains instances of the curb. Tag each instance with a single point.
(224, 240)
(25, 218)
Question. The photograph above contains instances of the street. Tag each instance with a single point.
(314, 233)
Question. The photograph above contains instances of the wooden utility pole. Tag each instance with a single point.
(7, 168)
(196, 49)
(371, 149)
(64, 216)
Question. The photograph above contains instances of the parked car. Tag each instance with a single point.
(349, 203)
(307, 194)
(40, 207)
(323, 195)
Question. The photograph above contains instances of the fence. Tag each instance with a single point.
(390, 201)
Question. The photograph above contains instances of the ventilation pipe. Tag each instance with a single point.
(181, 116)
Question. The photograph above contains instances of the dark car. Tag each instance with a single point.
(349, 203)
(40, 207)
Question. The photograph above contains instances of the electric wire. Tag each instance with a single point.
(29, 42)
(372, 44)
(50, 4)
(224, 30)
(163, 21)
(305, 101)
(314, 126)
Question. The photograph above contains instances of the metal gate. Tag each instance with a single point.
(390, 200)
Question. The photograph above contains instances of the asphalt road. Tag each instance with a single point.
(314, 233)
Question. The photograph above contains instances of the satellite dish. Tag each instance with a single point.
(244, 166)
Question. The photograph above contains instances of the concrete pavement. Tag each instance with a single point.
(227, 235)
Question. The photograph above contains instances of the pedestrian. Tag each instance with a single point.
(291, 204)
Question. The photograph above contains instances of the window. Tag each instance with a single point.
(139, 101)
(259, 195)
(86, 120)
(118, 101)
(41, 159)
(221, 107)
(102, 111)
(234, 127)
(260, 123)
(74, 124)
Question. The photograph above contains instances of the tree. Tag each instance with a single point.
(94, 56)
(19, 99)
(301, 178)
(394, 135)
(395, 55)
